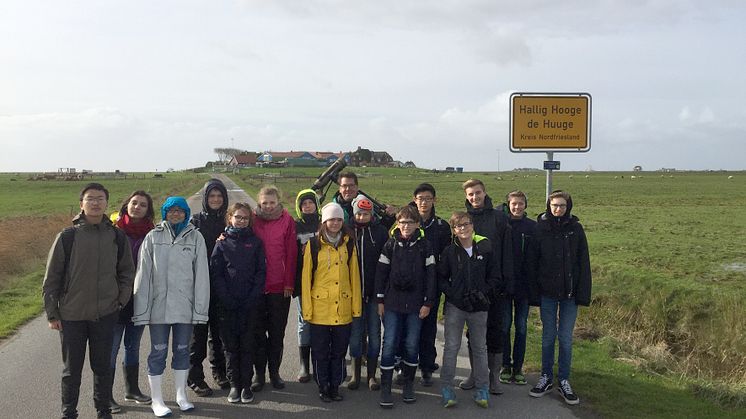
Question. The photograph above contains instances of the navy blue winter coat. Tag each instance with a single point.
(238, 270)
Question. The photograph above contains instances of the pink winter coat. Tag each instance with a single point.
(280, 248)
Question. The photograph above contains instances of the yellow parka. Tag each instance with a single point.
(335, 297)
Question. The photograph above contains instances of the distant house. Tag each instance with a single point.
(328, 157)
(243, 160)
(409, 164)
(637, 169)
(281, 156)
(380, 158)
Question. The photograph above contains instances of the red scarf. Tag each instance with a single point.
(135, 230)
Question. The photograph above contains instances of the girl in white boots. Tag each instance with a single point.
(172, 293)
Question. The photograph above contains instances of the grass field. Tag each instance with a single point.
(665, 335)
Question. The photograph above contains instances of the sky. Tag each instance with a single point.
(144, 85)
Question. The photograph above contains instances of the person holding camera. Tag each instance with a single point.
(468, 273)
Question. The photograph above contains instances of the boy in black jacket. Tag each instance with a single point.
(559, 272)
(405, 289)
(468, 272)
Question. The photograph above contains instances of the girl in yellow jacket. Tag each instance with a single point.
(330, 298)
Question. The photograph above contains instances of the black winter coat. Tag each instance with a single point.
(305, 228)
(405, 276)
(370, 241)
(522, 231)
(238, 270)
(558, 262)
(210, 222)
(437, 232)
(460, 275)
(493, 224)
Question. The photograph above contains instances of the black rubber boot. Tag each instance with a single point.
(386, 401)
(132, 387)
(114, 406)
(304, 375)
(408, 391)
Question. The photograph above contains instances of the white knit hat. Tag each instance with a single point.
(331, 210)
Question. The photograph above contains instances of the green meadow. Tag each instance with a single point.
(665, 335)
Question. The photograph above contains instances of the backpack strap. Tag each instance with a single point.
(316, 246)
(68, 238)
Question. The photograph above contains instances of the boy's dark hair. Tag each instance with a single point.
(149, 214)
(94, 186)
(424, 187)
(348, 175)
(409, 212)
(458, 216)
(516, 194)
(559, 194)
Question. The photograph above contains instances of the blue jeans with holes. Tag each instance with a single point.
(520, 307)
(400, 326)
(132, 335)
(182, 334)
(368, 325)
(557, 326)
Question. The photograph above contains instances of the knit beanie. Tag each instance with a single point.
(361, 203)
(332, 210)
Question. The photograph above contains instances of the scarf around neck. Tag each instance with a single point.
(132, 229)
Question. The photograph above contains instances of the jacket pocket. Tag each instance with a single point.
(344, 309)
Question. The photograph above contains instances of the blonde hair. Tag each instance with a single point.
(270, 190)
(472, 183)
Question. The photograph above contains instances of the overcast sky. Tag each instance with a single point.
(141, 85)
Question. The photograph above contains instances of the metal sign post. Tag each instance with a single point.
(550, 156)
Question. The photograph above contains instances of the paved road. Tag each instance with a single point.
(31, 368)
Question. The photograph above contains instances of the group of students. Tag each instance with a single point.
(366, 284)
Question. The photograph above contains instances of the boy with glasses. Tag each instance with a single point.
(405, 289)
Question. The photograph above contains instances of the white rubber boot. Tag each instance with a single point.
(159, 408)
(180, 381)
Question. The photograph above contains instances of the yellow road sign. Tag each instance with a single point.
(550, 122)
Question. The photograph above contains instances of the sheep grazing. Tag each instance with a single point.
(616, 177)
(730, 177)
(633, 177)
(587, 176)
(569, 177)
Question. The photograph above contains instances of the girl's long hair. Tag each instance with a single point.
(149, 214)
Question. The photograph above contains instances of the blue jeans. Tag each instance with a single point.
(369, 324)
(400, 326)
(159, 347)
(304, 328)
(555, 327)
(132, 335)
(519, 344)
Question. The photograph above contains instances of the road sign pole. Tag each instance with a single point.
(550, 156)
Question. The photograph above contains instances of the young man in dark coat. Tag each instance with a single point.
(211, 223)
(492, 223)
(517, 300)
(559, 274)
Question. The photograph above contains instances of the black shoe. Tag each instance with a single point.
(247, 396)
(334, 394)
(567, 393)
(221, 380)
(277, 381)
(542, 387)
(427, 379)
(103, 414)
(234, 396)
(324, 395)
(200, 388)
(115, 407)
(132, 391)
(257, 383)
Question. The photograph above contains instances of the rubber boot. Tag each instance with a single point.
(357, 365)
(494, 362)
(304, 375)
(132, 391)
(180, 382)
(469, 383)
(159, 408)
(373, 384)
(257, 383)
(115, 407)
(386, 401)
(408, 391)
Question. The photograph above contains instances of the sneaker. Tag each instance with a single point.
(542, 387)
(467, 384)
(449, 397)
(201, 388)
(505, 375)
(234, 395)
(482, 397)
(567, 393)
(247, 396)
(519, 378)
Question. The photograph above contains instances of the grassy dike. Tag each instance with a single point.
(665, 335)
(39, 210)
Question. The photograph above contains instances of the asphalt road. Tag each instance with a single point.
(31, 370)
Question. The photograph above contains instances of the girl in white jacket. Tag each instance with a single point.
(172, 293)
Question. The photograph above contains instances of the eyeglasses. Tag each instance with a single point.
(461, 226)
(175, 210)
(407, 223)
(241, 218)
(89, 199)
(424, 200)
(558, 205)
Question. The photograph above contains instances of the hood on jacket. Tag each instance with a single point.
(210, 185)
(302, 195)
(176, 201)
(476, 238)
(558, 220)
